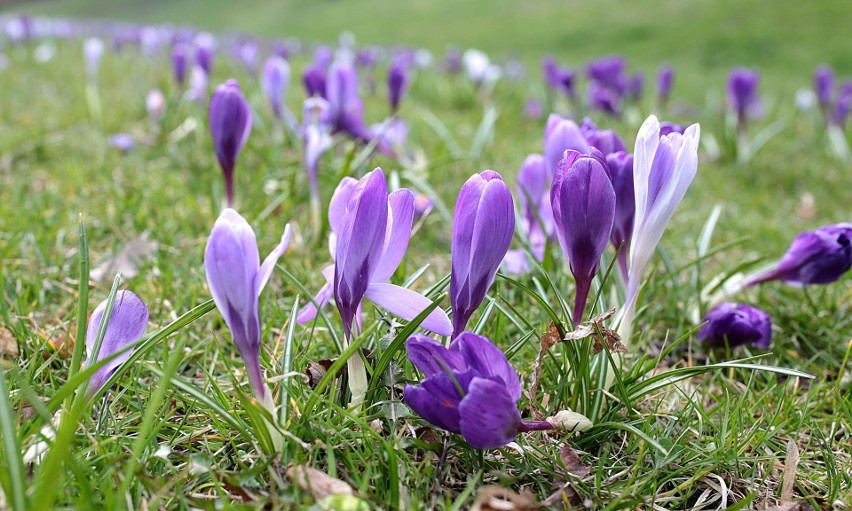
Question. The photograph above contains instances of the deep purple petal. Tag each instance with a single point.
(431, 357)
(489, 416)
(486, 359)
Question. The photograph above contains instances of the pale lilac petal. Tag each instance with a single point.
(339, 201)
(126, 325)
(408, 304)
(323, 296)
(268, 265)
(398, 233)
(516, 263)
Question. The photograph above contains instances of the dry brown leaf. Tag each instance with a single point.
(548, 339)
(573, 462)
(316, 371)
(497, 498)
(790, 465)
(127, 261)
(8, 343)
(317, 482)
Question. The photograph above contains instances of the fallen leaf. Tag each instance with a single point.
(317, 482)
(791, 462)
(572, 461)
(548, 339)
(497, 498)
(316, 371)
(8, 343)
(128, 261)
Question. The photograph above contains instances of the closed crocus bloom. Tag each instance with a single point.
(635, 86)
(483, 225)
(275, 80)
(605, 141)
(665, 81)
(742, 93)
(179, 62)
(731, 324)
(844, 105)
(604, 99)
(197, 84)
(205, 50)
(469, 388)
(313, 78)
(583, 203)
(561, 135)
(815, 257)
(236, 278)
(620, 171)
(230, 124)
(824, 86)
(93, 51)
(533, 192)
(126, 325)
(397, 84)
(342, 90)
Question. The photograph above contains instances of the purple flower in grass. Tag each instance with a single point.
(731, 324)
(743, 97)
(469, 388)
(608, 72)
(126, 325)
(583, 202)
(93, 52)
(317, 140)
(635, 86)
(205, 50)
(179, 62)
(532, 109)
(843, 106)
(620, 172)
(483, 225)
(533, 192)
(824, 86)
(397, 84)
(665, 81)
(123, 142)
(815, 257)
(230, 124)
(274, 82)
(197, 84)
(155, 104)
(560, 135)
(313, 78)
(236, 277)
(604, 99)
(558, 78)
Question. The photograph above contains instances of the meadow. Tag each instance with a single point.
(682, 426)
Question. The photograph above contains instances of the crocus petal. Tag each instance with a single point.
(489, 361)
(398, 234)
(408, 304)
(268, 265)
(489, 416)
(126, 325)
(516, 262)
(309, 311)
(561, 136)
(339, 201)
(437, 401)
(431, 357)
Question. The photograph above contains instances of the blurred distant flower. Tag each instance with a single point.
(533, 192)
(560, 135)
(635, 86)
(483, 226)
(423, 205)
(843, 106)
(230, 121)
(155, 103)
(317, 140)
(824, 86)
(815, 257)
(609, 73)
(197, 84)
(620, 171)
(274, 82)
(533, 109)
(247, 54)
(743, 97)
(205, 50)
(126, 325)
(479, 68)
(179, 63)
(665, 81)
(397, 84)
(604, 99)
(731, 324)
(123, 142)
(453, 60)
(93, 51)
(313, 78)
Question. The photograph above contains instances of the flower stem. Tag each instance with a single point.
(534, 426)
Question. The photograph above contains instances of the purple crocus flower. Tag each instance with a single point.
(815, 257)
(230, 124)
(126, 325)
(620, 172)
(742, 94)
(205, 50)
(731, 324)
(93, 52)
(583, 202)
(313, 77)
(236, 279)
(605, 141)
(635, 86)
(843, 106)
(453, 60)
(558, 78)
(824, 86)
(123, 142)
(397, 84)
(559, 135)
(608, 72)
(317, 139)
(275, 80)
(532, 109)
(469, 388)
(197, 84)
(604, 99)
(179, 62)
(342, 90)
(483, 225)
(533, 192)
(665, 81)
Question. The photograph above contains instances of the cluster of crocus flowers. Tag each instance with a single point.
(559, 78)
(125, 326)
(483, 226)
(370, 234)
(236, 278)
(731, 325)
(469, 388)
(230, 121)
(821, 256)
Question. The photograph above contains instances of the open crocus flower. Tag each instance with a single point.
(816, 257)
(533, 191)
(230, 125)
(583, 203)
(483, 225)
(731, 324)
(236, 278)
(663, 168)
(469, 388)
(126, 325)
(275, 80)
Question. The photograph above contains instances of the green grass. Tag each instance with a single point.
(176, 430)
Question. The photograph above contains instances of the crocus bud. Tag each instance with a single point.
(823, 86)
(230, 124)
(126, 325)
(583, 203)
(313, 78)
(635, 86)
(605, 141)
(816, 257)
(205, 50)
(155, 103)
(620, 171)
(604, 99)
(566, 420)
(483, 225)
(742, 93)
(665, 80)
(560, 135)
(608, 72)
(844, 105)
(236, 278)
(533, 190)
(93, 51)
(397, 84)
(731, 324)
(197, 84)
(275, 80)
(179, 62)
(342, 90)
